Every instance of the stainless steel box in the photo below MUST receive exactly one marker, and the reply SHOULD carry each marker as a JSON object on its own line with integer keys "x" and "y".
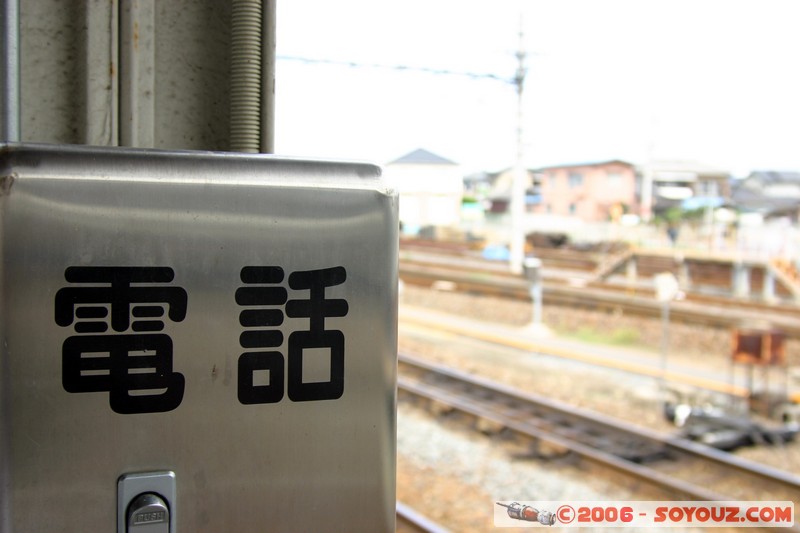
{"x": 231, "y": 319}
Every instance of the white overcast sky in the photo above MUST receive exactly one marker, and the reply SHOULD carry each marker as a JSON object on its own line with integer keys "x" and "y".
{"x": 715, "y": 81}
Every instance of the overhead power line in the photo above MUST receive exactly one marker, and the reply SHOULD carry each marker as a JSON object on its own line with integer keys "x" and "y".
{"x": 517, "y": 234}
{"x": 409, "y": 68}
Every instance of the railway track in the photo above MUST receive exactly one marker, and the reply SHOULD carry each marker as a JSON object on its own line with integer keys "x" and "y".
{"x": 695, "y": 309}
{"x": 676, "y": 467}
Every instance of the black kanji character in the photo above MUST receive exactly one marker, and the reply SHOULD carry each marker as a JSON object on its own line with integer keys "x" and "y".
{"x": 83, "y": 371}
{"x": 257, "y": 295}
{"x": 316, "y": 308}
{"x": 136, "y": 369}
{"x": 118, "y": 292}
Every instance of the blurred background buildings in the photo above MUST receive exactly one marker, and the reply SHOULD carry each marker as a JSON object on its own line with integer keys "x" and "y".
{"x": 692, "y": 204}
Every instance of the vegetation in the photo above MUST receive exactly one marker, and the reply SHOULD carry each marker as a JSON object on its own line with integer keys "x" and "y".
{"x": 623, "y": 336}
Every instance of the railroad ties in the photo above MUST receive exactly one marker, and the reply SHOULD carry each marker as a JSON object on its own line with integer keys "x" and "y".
{"x": 705, "y": 300}
{"x": 679, "y": 468}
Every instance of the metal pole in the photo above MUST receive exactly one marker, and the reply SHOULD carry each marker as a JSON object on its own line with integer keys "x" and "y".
{"x": 9, "y": 72}
{"x": 10, "y": 124}
{"x": 536, "y": 294}
{"x": 520, "y": 175}
{"x": 269, "y": 42}
{"x": 533, "y": 271}
{"x": 137, "y": 73}
{"x": 664, "y": 343}
{"x": 246, "y": 75}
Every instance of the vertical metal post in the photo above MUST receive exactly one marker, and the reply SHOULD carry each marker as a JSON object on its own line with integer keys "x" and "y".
{"x": 732, "y": 374}
{"x": 137, "y": 73}
{"x": 533, "y": 271}
{"x": 664, "y": 344}
{"x": 666, "y": 290}
{"x": 631, "y": 273}
{"x": 9, "y": 71}
{"x": 101, "y": 49}
{"x": 684, "y": 275}
{"x": 741, "y": 280}
{"x": 536, "y": 292}
{"x": 768, "y": 289}
{"x": 269, "y": 42}
{"x": 520, "y": 175}
{"x": 646, "y": 210}
{"x": 10, "y": 124}
{"x": 246, "y": 75}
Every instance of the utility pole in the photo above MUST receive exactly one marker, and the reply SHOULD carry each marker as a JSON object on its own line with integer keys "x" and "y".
{"x": 519, "y": 173}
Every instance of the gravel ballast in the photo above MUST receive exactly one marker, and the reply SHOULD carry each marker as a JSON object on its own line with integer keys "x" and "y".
{"x": 454, "y": 475}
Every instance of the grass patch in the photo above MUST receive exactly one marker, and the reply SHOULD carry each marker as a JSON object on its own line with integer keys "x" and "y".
{"x": 616, "y": 337}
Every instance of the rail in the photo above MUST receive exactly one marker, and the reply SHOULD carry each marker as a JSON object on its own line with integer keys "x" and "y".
{"x": 666, "y": 462}
{"x": 696, "y": 309}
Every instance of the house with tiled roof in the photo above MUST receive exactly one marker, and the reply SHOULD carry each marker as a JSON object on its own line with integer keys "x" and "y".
{"x": 769, "y": 193}
{"x": 605, "y": 190}
{"x": 430, "y": 188}
{"x": 675, "y": 183}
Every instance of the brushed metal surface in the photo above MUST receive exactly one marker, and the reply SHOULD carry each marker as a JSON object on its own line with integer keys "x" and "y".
{"x": 284, "y": 466}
